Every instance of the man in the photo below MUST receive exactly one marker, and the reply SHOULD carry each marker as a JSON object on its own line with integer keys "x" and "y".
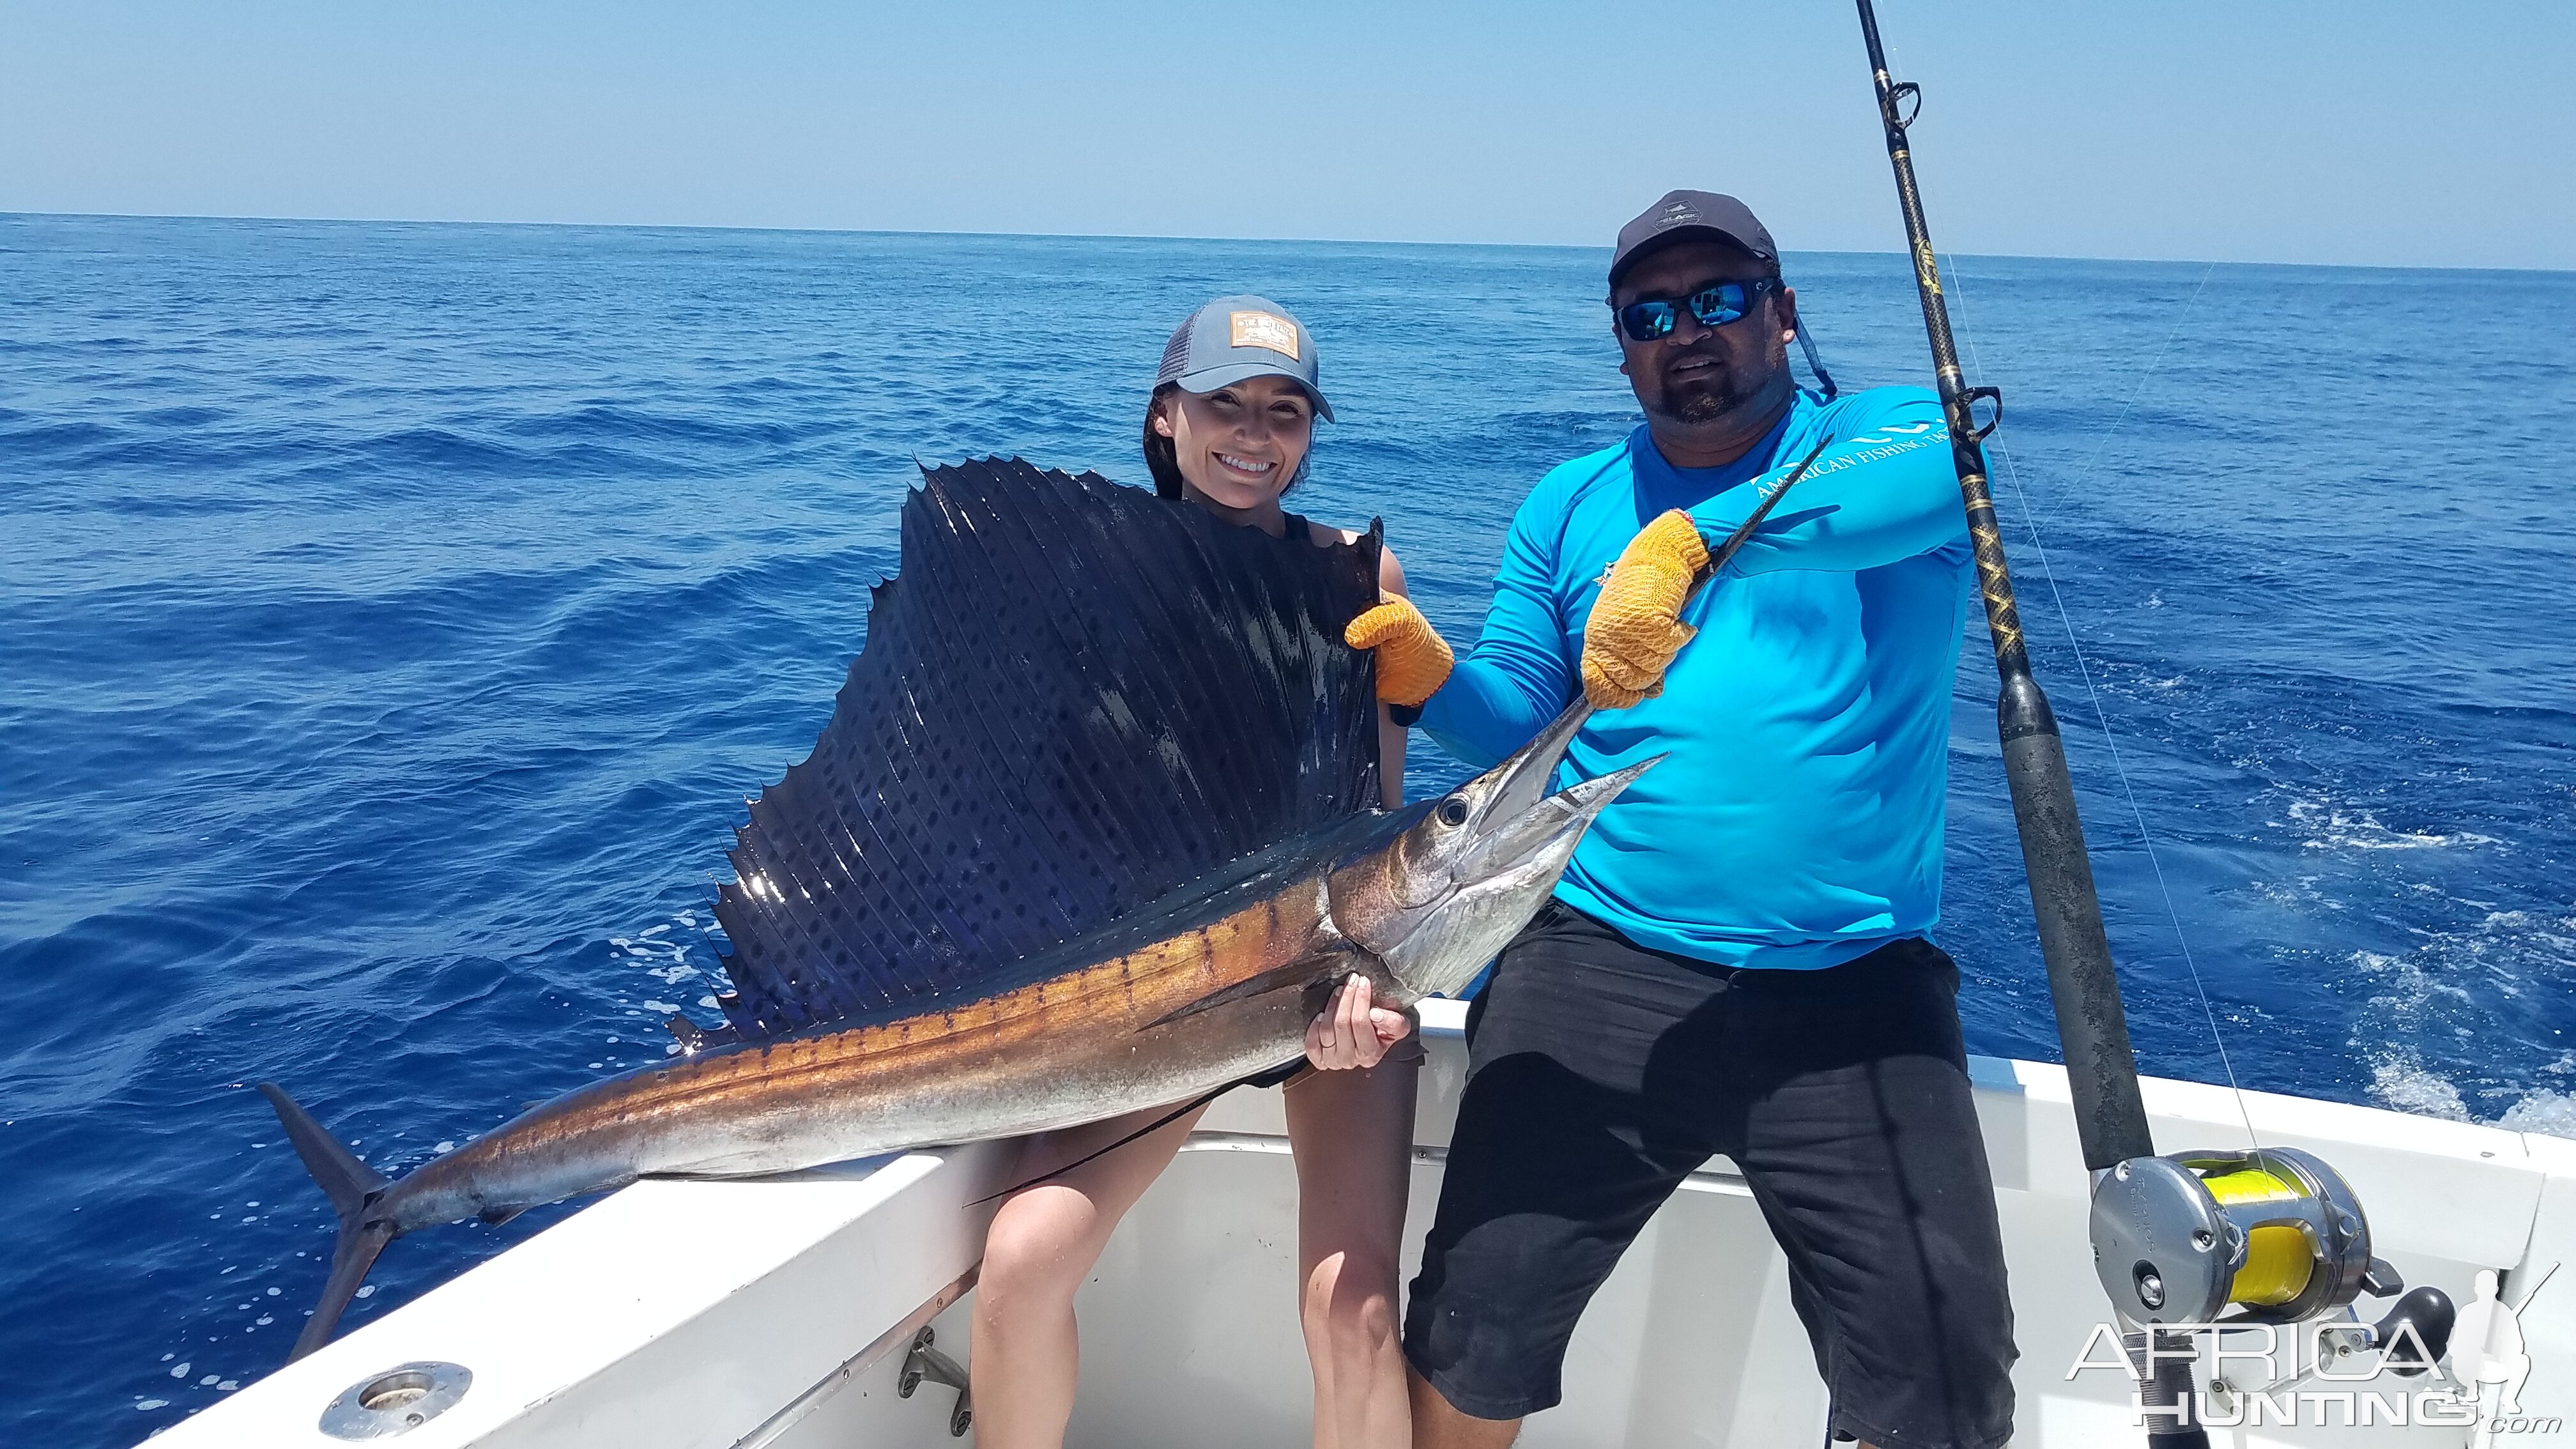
{"x": 1735, "y": 962}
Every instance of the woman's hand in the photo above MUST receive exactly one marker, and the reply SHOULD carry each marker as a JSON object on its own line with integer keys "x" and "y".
{"x": 1352, "y": 1030}
{"x": 1412, "y": 659}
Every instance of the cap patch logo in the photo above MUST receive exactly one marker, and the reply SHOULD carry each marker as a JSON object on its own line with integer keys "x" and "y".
{"x": 1266, "y": 330}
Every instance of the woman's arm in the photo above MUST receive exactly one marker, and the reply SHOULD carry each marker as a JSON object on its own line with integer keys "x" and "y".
{"x": 1390, "y": 735}
{"x": 1352, "y": 1030}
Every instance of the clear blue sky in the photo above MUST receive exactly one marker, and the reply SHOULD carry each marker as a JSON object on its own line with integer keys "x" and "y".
{"x": 2357, "y": 132}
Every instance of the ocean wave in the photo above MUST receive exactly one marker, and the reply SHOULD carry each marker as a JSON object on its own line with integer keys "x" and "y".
{"x": 34, "y": 442}
{"x": 2405, "y": 1085}
{"x": 2544, "y": 1111}
{"x": 2331, "y": 828}
{"x": 609, "y": 422}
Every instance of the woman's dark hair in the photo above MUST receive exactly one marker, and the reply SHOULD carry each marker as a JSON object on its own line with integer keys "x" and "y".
{"x": 1164, "y": 461}
{"x": 1161, "y": 459}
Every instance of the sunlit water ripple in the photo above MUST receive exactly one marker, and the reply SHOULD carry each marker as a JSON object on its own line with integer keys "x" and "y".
{"x": 393, "y": 619}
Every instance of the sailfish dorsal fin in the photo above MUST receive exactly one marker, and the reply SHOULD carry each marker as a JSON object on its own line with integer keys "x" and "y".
{"x": 1075, "y": 698}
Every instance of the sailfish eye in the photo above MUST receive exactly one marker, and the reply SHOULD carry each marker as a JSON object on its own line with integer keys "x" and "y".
{"x": 1453, "y": 811}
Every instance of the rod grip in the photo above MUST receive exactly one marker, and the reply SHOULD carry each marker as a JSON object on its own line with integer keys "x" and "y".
{"x": 2101, "y": 1068}
{"x": 2166, "y": 1396}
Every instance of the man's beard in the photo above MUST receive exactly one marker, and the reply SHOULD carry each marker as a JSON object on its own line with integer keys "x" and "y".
{"x": 1702, "y": 400}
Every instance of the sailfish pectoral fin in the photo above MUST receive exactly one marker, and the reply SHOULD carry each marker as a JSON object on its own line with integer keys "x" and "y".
{"x": 1303, "y": 971}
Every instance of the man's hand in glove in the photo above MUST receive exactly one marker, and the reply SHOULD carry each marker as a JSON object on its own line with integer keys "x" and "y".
{"x": 1635, "y": 628}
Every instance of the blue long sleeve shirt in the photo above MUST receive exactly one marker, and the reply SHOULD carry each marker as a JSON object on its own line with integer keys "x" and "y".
{"x": 1798, "y": 820}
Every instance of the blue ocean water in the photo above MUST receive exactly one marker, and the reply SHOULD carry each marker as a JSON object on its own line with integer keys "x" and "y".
{"x": 393, "y": 619}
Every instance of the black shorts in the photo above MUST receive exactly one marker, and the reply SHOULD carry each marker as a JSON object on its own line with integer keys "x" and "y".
{"x": 1601, "y": 1073}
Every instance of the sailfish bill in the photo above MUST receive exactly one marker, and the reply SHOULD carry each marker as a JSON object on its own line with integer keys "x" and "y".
{"x": 1092, "y": 830}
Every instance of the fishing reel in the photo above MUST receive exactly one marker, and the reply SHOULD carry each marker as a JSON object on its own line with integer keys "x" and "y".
{"x": 2273, "y": 1233}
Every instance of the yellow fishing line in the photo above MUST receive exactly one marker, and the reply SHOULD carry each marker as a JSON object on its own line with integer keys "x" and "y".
{"x": 2278, "y": 1261}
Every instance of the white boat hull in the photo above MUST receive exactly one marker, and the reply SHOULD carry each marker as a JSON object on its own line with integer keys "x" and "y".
{"x": 743, "y": 1315}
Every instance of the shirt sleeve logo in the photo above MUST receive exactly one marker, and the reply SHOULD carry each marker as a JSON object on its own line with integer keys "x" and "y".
{"x": 1266, "y": 330}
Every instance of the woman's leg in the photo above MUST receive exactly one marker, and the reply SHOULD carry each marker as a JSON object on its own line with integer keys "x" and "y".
{"x": 1041, "y": 1246}
{"x": 1352, "y": 1132}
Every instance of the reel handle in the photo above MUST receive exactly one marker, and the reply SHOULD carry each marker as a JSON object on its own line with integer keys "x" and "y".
{"x": 2429, "y": 1312}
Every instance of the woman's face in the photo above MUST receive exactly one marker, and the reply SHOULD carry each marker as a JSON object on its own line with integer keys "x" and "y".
{"x": 1241, "y": 444}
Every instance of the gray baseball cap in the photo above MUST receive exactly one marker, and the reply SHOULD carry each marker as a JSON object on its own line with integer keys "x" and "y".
{"x": 1234, "y": 338}
{"x": 1691, "y": 215}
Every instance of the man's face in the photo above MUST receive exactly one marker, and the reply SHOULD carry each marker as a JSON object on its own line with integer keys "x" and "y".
{"x": 1706, "y": 376}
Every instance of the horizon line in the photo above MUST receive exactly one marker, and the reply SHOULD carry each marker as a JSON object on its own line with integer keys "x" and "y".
{"x": 1156, "y": 236}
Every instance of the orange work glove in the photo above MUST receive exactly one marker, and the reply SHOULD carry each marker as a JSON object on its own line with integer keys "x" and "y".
{"x": 1412, "y": 659}
{"x": 1635, "y": 629}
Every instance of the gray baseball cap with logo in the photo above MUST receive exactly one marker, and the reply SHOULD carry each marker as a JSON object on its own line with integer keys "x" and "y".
{"x": 1691, "y": 216}
{"x": 1234, "y": 338}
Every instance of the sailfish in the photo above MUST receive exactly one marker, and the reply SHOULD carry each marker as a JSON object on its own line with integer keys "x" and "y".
{"x": 1094, "y": 827}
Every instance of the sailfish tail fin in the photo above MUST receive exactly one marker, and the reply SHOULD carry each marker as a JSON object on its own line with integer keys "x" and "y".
{"x": 352, "y": 1186}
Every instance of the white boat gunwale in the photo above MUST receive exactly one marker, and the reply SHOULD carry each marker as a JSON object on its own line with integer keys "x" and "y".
{"x": 776, "y": 1312}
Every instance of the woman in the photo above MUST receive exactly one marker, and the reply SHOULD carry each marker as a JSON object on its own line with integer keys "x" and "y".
{"x": 1228, "y": 428}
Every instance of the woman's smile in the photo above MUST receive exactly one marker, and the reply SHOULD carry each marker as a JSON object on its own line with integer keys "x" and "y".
{"x": 1238, "y": 447}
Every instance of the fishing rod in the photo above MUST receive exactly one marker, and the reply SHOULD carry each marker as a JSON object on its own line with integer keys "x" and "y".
{"x": 2275, "y": 1235}
{"x": 2101, "y": 1069}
